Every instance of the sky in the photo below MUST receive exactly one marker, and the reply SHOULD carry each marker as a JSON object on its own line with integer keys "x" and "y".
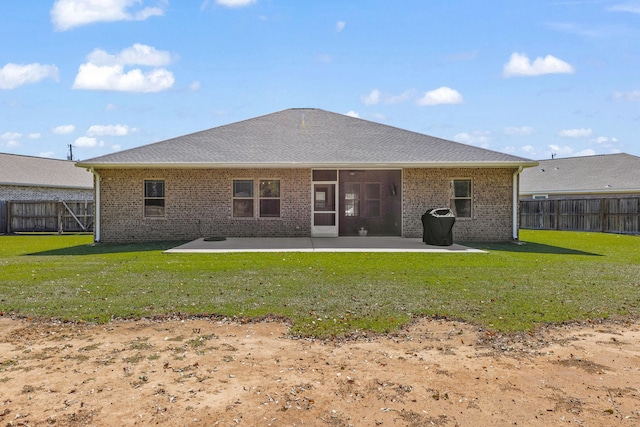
{"x": 534, "y": 78}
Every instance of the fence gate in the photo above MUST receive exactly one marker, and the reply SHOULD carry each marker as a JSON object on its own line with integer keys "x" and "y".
{"x": 49, "y": 216}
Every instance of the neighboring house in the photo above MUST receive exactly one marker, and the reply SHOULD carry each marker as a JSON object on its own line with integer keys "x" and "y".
{"x": 37, "y": 178}
{"x": 303, "y": 172}
{"x": 32, "y": 190}
{"x": 610, "y": 175}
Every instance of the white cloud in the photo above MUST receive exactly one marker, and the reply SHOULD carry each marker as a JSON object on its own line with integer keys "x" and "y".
{"x": 34, "y": 135}
{"x": 518, "y": 131}
{"x": 631, "y": 7}
{"x": 442, "y": 95}
{"x": 352, "y": 114}
{"x": 627, "y": 96}
{"x": 109, "y": 130}
{"x": 66, "y": 14}
{"x": 49, "y": 154}
{"x": 86, "y": 142}
{"x": 478, "y": 137}
{"x": 529, "y": 149}
{"x": 116, "y": 147}
{"x": 520, "y": 65}
{"x": 235, "y": 3}
{"x": 138, "y": 54}
{"x": 340, "y": 26}
{"x": 10, "y": 135}
{"x": 64, "y": 129}
{"x": 586, "y": 152}
{"x": 10, "y": 139}
{"x": 373, "y": 98}
{"x": 561, "y": 151}
{"x": 14, "y": 75}
{"x": 605, "y": 141}
{"x": 398, "y": 99}
{"x": 110, "y": 107}
{"x": 575, "y": 133}
{"x": 11, "y": 144}
{"x": 195, "y": 86}
{"x": 104, "y": 71}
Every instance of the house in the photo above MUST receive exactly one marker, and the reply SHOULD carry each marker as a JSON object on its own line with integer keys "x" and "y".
{"x": 303, "y": 172}
{"x": 608, "y": 175}
{"x": 38, "y": 178}
{"x": 25, "y": 180}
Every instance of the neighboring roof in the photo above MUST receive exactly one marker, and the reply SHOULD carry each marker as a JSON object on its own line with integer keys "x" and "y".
{"x": 610, "y": 173}
{"x": 41, "y": 172}
{"x": 306, "y": 137}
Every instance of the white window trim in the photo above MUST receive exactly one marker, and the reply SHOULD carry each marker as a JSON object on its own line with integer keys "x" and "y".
{"x": 256, "y": 199}
{"x": 470, "y": 198}
{"x": 144, "y": 199}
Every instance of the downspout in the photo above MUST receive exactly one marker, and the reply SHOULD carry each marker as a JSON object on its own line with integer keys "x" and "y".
{"x": 516, "y": 201}
{"x": 96, "y": 204}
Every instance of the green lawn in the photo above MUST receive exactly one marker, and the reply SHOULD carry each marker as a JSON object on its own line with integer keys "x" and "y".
{"x": 554, "y": 277}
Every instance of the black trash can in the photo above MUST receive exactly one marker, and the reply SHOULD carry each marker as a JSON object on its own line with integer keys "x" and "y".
{"x": 438, "y": 227}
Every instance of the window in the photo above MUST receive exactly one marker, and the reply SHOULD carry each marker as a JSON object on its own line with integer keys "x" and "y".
{"x": 269, "y": 198}
{"x": 243, "y": 198}
{"x": 153, "y": 198}
{"x": 372, "y": 199}
{"x": 352, "y": 199}
{"x": 461, "y": 198}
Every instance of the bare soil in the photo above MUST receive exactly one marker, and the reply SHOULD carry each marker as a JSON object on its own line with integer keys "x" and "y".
{"x": 196, "y": 372}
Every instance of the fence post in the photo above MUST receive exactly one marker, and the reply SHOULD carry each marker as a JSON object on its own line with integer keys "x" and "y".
{"x": 9, "y": 209}
{"x": 59, "y": 209}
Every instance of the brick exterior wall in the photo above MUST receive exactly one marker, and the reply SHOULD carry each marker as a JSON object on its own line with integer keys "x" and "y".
{"x": 14, "y": 192}
{"x": 491, "y": 202}
{"x": 198, "y": 203}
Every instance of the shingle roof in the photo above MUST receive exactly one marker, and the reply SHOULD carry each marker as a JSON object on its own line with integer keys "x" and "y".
{"x": 610, "y": 173}
{"x": 38, "y": 171}
{"x": 302, "y": 138}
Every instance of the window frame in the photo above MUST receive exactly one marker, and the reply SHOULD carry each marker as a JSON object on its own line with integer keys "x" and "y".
{"x": 354, "y": 202}
{"x": 256, "y": 198}
{"x": 235, "y": 198}
{"x": 453, "y": 198}
{"x": 146, "y": 198}
{"x": 262, "y": 198}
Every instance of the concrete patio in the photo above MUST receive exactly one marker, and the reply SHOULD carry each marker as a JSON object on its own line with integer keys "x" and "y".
{"x": 316, "y": 244}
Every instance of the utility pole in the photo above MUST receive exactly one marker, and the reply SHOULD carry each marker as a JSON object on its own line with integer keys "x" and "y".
{"x": 70, "y": 155}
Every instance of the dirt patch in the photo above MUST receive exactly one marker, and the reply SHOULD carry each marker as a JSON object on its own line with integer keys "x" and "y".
{"x": 219, "y": 373}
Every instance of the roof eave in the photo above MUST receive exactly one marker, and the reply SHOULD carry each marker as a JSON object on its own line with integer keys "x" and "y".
{"x": 304, "y": 165}
{"x": 580, "y": 192}
{"x": 27, "y": 184}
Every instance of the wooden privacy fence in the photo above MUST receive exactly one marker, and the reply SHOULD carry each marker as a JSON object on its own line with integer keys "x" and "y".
{"x": 49, "y": 216}
{"x": 608, "y": 215}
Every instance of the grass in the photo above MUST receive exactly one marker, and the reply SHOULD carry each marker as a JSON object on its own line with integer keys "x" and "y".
{"x": 554, "y": 277}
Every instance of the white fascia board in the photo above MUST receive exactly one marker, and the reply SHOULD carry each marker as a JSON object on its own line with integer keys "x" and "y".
{"x": 35, "y": 184}
{"x": 297, "y": 165}
{"x": 581, "y": 192}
